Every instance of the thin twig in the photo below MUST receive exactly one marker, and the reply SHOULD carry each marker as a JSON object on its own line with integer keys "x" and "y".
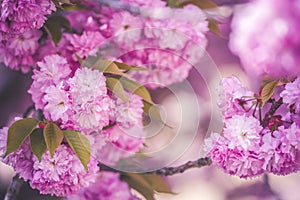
{"x": 28, "y": 111}
{"x": 14, "y": 188}
{"x": 271, "y": 112}
{"x": 168, "y": 171}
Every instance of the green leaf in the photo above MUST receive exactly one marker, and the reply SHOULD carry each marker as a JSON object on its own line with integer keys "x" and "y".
{"x": 147, "y": 185}
{"x": 80, "y": 145}
{"x": 268, "y": 90}
{"x": 37, "y": 143}
{"x": 18, "y": 132}
{"x": 129, "y": 67}
{"x": 136, "y": 88}
{"x": 108, "y": 67}
{"x": 203, "y": 4}
{"x": 153, "y": 111}
{"x": 213, "y": 26}
{"x": 137, "y": 182}
{"x": 59, "y": 3}
{"x": 158, "y": 183}
{"x": 53, "y": 27}
{"x": 53, "y": 137}
{"x": 114, "y": 85}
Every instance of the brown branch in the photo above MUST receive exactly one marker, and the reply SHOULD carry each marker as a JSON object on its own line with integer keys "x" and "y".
{"x": 271, "y": 112}
{"x": 14, "y": 188}
{"x": 168, "y": 171}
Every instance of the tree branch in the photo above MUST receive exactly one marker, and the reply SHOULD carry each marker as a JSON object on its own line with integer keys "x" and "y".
{"x": 168, "y": 171}
{"x": 271, "y": 112}
{"x": 14, "y": 188}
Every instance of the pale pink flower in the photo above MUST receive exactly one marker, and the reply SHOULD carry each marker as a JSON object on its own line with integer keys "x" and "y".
{"x": 93, "y": 115}
{"x": 291, "y": 94}
{"x": 86, "y": 44}
{"x": 126, "y": 28}
{"x": 233, "y": 97}
{"x": 57, "y": 104}
{"x": 108, "y": 186}
{"x": 242, "y": 132}
{"x": 63, "y": 174}
{"x": 129, "y": 113}
{"x": 87, "y": 84}
{"x": 276, "y": 51}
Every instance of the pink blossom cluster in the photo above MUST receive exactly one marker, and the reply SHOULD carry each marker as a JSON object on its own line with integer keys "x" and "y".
{"x": 61, "y": 175}
{"x": 107, "y": 186}
{"x": 249, "y": 146}
{"x": 265, "y": 35}
{"x": 166, "y": 40}
{"x": 19, "y": 34}
{"x": 79, "y": 100}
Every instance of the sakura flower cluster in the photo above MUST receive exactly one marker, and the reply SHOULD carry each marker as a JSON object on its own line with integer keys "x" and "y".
{"x": 19, "y": 34}
{"x": 167, "y": 41}
{"x": 61, "y": 175}
{"x": 265, "y": 35}
{"x": 251, "y": 145}
{"x": 80, "y": 101}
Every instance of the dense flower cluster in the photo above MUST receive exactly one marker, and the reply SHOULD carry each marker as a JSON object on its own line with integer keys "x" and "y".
{"x": 107, "y": 186}
{"x": 166, "y": 40}
{"x": 61, "y": 175}
{"x": 248, "y": 147}
{"x": 19, "y": 34}
{"x": 80, "y": 101}
{"x": 275, "y": 51}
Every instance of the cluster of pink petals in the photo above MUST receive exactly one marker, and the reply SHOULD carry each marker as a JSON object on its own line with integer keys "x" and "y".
{"x": 142, "y": 38}
{"x": 291, "y": 94}
{"x": 248, "y": 149}
{"x": 107, "y": 186}
{"x": 61, "y": 175}
{"x": 233, "y": 97}
{"x": 80, "y": 101}
{"x": 265, "y": 37}
{"x": 20, "y": 16}
{"x": 19, "y": 34}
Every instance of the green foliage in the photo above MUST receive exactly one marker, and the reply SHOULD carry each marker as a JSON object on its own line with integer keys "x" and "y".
{"x": 203, "y": 4}
{"x": 147, "y": 185}
{"x": 268, "y": 89}
{"x": 54, "y": 25}
{"x": 213, "y": 26}
{"x": 53, "y": 137}
{"x": 37, "y": 143}
{"x": 80, "y": 145}
{"x": 114, "y": 85}
{"x": 18, "y": 132}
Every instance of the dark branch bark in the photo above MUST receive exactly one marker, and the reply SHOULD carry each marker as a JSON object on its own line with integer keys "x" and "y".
{"x": 14, "y": 188}
{"x": 168, "y": 171}
{"x": 28, "y": 111}
{"x": 271, "y": 112}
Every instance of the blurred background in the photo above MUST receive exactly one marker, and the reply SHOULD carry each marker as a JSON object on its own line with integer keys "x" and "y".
{"x": 207, "y": 183}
